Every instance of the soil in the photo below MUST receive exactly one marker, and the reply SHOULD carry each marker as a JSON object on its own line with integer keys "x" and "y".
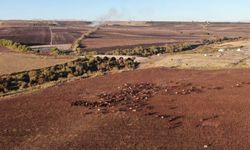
{"x": 38, "y": 32}
{"x": 11, "y": 61}
{"x": 114, "y": 36}
{"x": 149, "y": 108}
{"x": 26, "y": 35}
{"x": 235, "y": 55}
{"x": 145, "y": 109}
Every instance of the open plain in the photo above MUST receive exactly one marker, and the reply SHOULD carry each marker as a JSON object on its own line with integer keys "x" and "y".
{"x": 197, "y": 98}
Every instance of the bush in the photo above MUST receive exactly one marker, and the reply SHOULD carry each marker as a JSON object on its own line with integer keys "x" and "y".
{"x": 14, "y": 45}
{"x": 138, "y": 51}
{"x": 55, "y": 50}
{"x": 80, "y": 67}
{"x": 172, "y": 48}
{"x": 33, "y": 77}
{"x": 23, "y": 77}
{"x": 1, "y": 88}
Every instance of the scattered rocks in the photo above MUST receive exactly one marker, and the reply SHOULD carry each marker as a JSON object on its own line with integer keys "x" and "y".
{"x": 206, "y": 146}
{"x": 238, "y": 85}
{"x": 164, "y": 116}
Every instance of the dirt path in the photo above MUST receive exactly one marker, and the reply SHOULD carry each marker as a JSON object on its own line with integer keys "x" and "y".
{"x": 51, "y": 36}
{"x": 214, "y": 115}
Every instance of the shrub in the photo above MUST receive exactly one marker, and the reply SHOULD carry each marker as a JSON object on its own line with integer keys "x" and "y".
{"x": 23, "y": 77}
{"x": 55, "y": 50}
{"x": 1, "y": 88}
{"x": 172, "y": 48}
{"x": 14, "y": 45}
{"x": 80, "y": 67}
{"x": 23, "y": 85}
{"x": 138, "y": 51}
{"x": 33, "y": 77}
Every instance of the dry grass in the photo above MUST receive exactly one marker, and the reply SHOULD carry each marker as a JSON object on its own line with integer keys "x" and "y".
{"x": 205, "y": 58}
{"x": 16, "y": 62}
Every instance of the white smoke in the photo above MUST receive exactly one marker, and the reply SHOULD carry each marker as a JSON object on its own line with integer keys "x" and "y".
{"x": 112, "y": 15}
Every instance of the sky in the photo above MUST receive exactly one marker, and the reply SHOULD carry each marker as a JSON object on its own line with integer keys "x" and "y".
{"x": 140, "y": 10}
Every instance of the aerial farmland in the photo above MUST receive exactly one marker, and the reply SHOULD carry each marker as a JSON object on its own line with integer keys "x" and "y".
{"x": 124, "y": 84}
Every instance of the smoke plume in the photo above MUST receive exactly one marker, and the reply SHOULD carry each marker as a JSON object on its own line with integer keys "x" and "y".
{"x": 112, "y": 15}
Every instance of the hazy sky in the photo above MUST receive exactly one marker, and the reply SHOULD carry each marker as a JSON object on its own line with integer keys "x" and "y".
{"x": 167, "y": 10}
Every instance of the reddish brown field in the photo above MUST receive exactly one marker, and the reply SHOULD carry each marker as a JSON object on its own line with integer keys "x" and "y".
{"x": 67, "y": 35}
{"x": 215, "y": 114}
{"x": 123, "y": 35}
{"x": 117, "y": 36}
{"x": 38, "y": 32}
{"x": 26, "y": 35}
{"x": 156, "y": 108}
{"x": 11, "y": 61}
{"x": 111, "y": 37}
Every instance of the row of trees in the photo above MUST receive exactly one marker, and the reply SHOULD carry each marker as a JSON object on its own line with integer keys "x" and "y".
{"x": 14, "y": 45}
{"x": 220, "y": 40}
{"x": 81, "y": 67}
{"x": 77, "y": 44}
{"x": 153, "y": 50}
{"x": 138, "y": 51}
{"x": 171, "y": 48}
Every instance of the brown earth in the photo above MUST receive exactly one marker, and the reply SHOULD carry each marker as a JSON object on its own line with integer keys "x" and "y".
{"x": 184, "y": 109}
{"x": 26, "y": 35}
{"x": 116, "y": 36}
{"x": 11, "y": 61}
{"x": 67, "y": 35}
{"x": 38, "y": 32}
{"x": 235, "y": 54}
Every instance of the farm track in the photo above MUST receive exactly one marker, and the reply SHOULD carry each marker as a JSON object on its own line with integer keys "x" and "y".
{"x": 51, "y": 36}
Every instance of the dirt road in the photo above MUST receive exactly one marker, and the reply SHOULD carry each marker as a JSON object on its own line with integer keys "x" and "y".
{"x": 51, "y": 36}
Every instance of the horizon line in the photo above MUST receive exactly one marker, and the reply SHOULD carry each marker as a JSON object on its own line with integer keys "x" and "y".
{"x": 86, "y": 20}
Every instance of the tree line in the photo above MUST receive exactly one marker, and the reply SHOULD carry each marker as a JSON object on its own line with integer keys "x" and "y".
{"x": 81, "y": 67}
